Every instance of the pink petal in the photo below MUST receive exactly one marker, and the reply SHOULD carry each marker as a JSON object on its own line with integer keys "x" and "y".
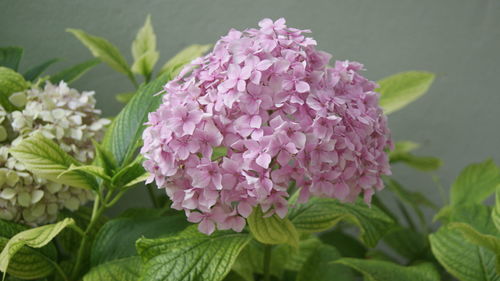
{"x": 263, "y": 160}
{"x": 206, "y": 226}
{"x": 302, "y": 87}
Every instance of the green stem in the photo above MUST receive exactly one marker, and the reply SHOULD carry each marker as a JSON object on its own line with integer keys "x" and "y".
{"x": 132, "y": 79}
{"x": 59, "y": 270}
{"x": 267, "y": 262}
{"x": 152, "y": 195}
{"x": 96, "y": 213}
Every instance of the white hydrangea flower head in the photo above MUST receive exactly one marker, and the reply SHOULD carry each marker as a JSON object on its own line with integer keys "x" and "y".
{"x": 69, "y": 118}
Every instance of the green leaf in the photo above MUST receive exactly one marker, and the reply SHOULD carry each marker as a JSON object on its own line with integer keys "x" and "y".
{"x": 10, "y": 82}
{"x": 219, "y": 152}
{"x": 90, "y": 170}
{"x": 250, "y": 261}
{"x": 27, "y": 263}
{"x": 320, "y": 214}
{"x": 411, "y": 197}
{"x": 401, "y": 153}
{"x": 487, "y": 241}
{"x": 144, "y": 50}
{"x": 104, "y": 50}
{"x": 35, "y": 238}
{"x": 475, "y": 183}
{"x": 130, "y": 174}
{"x": 69, "y": 239}
{"x": 123, "y": 137}
{"x": 117, "y": 237}
{"x": 347, "y": 245}
{"x": 71, "y": 74}
{"x": 190, "y": 255}
{"x": 376, "y": 270}
{"x": 188, "y": 54}
{"x": 318, "y": 266}
{"x": 423, "y": 163}
{"x": 46, "y": 159}
{"x": 105, "y": 159}
{"x": 464, "y": 260}
{"x": 406, "y": 242}
{"x": 32, "y": 73}
{"x": 125, "y": 97}
{"x": 399, "y": 90}
{"x": 273, "y": 229}
{"x": 127, "y": 269}
{"x": 11, "y": 57}
{"x": 495, "y": 214}
{"x": 145, "y": 40}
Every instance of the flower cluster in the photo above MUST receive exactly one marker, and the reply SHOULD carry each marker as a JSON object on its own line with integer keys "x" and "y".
{"x": 71, "y": 120}
{"x": 286, "y": 119}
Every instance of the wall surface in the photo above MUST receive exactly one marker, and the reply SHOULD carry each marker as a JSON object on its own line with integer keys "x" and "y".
{"x": 457, "y": 121}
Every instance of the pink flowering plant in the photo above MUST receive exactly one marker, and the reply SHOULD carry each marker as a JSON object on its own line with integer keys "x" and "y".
{"x": 264, "y": 159}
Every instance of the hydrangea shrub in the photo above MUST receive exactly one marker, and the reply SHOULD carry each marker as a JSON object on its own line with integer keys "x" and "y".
{"x": 282, "y": 114}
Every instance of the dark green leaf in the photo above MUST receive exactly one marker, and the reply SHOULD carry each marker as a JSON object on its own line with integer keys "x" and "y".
{"x": 32, "y": 73}
{"x": 318, "y": 266}
{"x": 117, "y": 237}
{"x": 376, "y": 270}
{"x": 406, "y": 242}
{"x": 347, "y": 245}
{"x": 73, "y": 73}
{"x": 123, "y": 137}
{"x": 11, "y": 57}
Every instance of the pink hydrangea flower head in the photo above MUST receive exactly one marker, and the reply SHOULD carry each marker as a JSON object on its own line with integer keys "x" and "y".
{"x": 283, "y": 114}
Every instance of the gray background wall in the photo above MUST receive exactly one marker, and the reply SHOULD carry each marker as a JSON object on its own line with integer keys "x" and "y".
{"x": 457, "y": 121}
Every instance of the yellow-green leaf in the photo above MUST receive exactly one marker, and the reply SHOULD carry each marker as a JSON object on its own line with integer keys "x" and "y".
{"x": 399, "y": 90}
{"x": 190, "y": 255}
{"x": 47, "y": 160}
{"x": 320, "y": 214}
{"x": 10, "y": 82}
{"x": 104, "y": 50}
{"x": 27, "y": 263}
{"x": 273, "y": 229}
{"x": 495, "y": 214}
{"x": 127, "y": 269}
{"x": 35, "y": 238}
{"x": 475, "y": 183}
{"x": 91, "y": 170}
{"x": 175, "y": 64}
{"x": 487, "y": 241}
{"x": 144, "y": 50}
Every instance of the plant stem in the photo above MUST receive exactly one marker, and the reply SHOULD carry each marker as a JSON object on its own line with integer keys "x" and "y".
{"x": 96, "y": 213}
{"x": 152, "y": 195}
{"x": 267, "y": 262}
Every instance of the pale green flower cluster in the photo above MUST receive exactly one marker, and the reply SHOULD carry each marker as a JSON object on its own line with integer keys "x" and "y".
{"x": 70, "y": 119}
